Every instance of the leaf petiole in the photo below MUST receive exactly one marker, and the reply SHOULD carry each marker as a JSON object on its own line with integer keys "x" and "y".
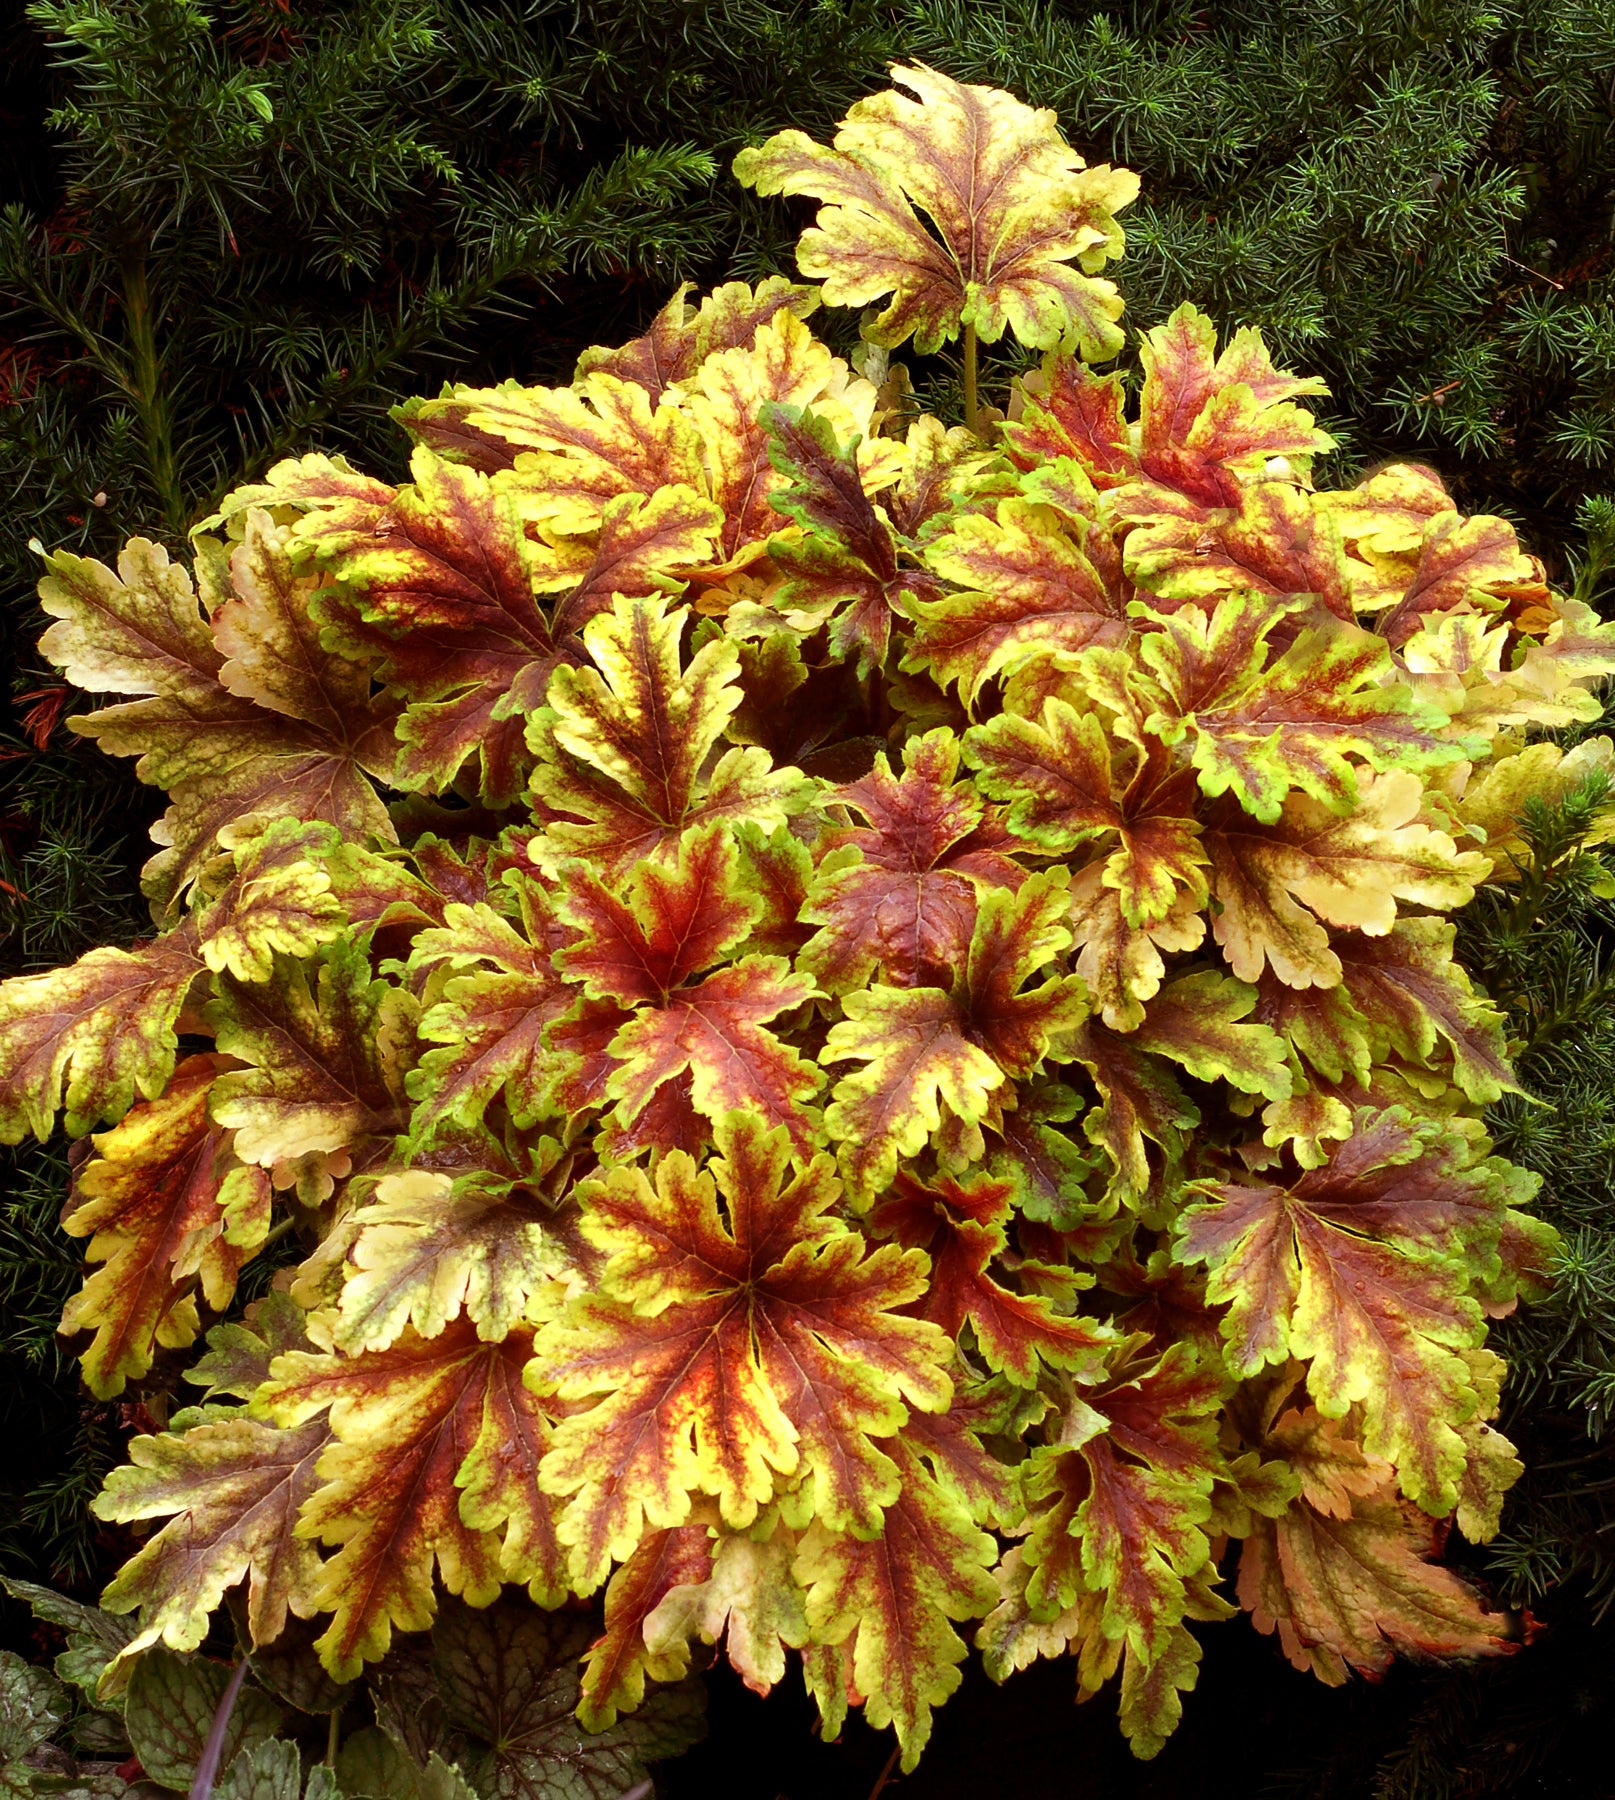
{"x": 972, "y": 410}
{"x": 207, "y": 1767}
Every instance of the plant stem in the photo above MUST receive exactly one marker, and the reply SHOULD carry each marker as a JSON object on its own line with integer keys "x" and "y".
{"x": 277, "y": 1232}
{"x": 150, "y": 400}
{"x": 207, "y": 1767}
{"x": 891, "y": 1761}
{"x": 972, "y": 413}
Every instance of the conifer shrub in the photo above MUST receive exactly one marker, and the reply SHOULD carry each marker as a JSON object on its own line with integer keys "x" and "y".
{"x": 843, "y": 1031}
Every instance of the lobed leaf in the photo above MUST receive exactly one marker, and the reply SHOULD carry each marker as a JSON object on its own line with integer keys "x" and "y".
{"x": 248, "y": 716}
{"x": 320, "y": 1074}
{"x": 1280, "y": 884}
{"x": 232, "y": 1490}
{"x": 1359, "y": 1268}
{"x": 1348, "y": 1576}
{"x": 171, "y": 1213}
{"x": 1029, "y": 583}
{"x": 887, "y": 1606}
{"x": 1011, "y": 204}
{"x": 624, "y": 746}
{"x": 904, "y": 905}
{"x": 432, "y": 1468}
{"x": 961, "y": 1227}
{"x": 728, "y": 1354}
{"x": 682, "y": 337}
{"x": 927, "y": 1049}
{"x": 92, "y": 1036}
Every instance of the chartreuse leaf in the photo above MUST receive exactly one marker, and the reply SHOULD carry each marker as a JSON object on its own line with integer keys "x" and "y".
{"x": 1279, "y": 885}
{"x": 313, "y": 483}
{"x": 1045, "y": 1167}
{"x": 431, "y": 1246}
{"x": 1271, "y": 544}
{"x": 1011, "y": 204}
{"x": 103, "y": 1032}
{"x": 886, "y": 1607}
{"x": 757, "y": 1343}
{"x": 1259, "y": 727}
{"x": 447, "y": 588}
{"x": 1359, "y": 1269}
{"x": 961, "y": 1227}
{"x": 563, "y": 453}
{"x": 1119, "y": 1502}
{"x": 1493, "y": 1468}
{"x": 729, "y": 398}
{"x": 1028, "y": 584}
{"x": 668, "y": 1566}
{"x": 279, "y": 901}
{"x": 843, "y": 570}
{"x": 232, "y": 1490}
{"x": 745, "y": 1593}
{"x": 931, "y": 1052}
{"x": 432, "y": 1469}
{"x": 681, "y": 336}
{"x": 248, "y": 715}
{"x": 1420, "y": 1005}
{"x": 170, "y": 1213}
{"x": 1202, "y": 1021}
{"x": 491, "y": 1014}
{"x": 1347, "y": 1573}
{"x": 898, "y": 896}
{"x": 92, "y": 1036}
{"x": 1207, "y": 424}
{"x": 1064, "y": 790}
{"x": 641, "y": 949}
{"x": 319, "y": 1076}
{"x": 624, "y": 746}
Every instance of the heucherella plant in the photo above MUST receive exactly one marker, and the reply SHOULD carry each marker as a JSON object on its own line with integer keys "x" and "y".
{"x": 851, "y": 1027}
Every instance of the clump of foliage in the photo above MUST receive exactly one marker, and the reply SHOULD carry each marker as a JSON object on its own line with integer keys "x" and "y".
{"x": 478, "y": 1708}
{"x": 228, "y": 229}
{"x": 854, "y": 1022}
{"x": 1414, "y": 200}
{"x": 248, "y": 225}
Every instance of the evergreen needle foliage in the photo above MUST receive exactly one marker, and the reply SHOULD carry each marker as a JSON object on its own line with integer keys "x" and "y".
{"x": 1544, "y": 946}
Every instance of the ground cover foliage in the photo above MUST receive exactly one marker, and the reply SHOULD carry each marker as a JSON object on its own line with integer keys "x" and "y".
{"x": 836, "y": 1029}
{"x": 479, "y": 1707}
